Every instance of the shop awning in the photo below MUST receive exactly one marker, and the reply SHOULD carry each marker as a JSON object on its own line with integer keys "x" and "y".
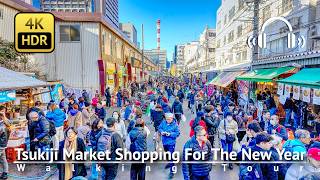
{"x": 225, "y": 78}
{"x": 14, "y": 80}
{"x": 308, "y": 77}
{"x": 265, "y": 75}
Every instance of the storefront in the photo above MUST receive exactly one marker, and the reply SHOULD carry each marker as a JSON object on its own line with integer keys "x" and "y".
{"x": 111, "y": 76}
{"x": 225, "y": 80}
{"x": 305, "y": 86}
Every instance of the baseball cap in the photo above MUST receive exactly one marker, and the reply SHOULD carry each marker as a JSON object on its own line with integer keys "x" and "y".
{"x": 314, "y": 153}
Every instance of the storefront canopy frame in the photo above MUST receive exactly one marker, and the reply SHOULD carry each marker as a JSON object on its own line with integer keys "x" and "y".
{"x": 225, "y": 78}
{"x": 264, "y": 75}
{"x": 11, "y": 80}
{"x": 308, "y": 77}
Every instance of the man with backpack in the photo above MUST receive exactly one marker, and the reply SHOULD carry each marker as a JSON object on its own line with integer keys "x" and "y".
{"x": 138, "y": 143}
{"x": 198, "y": 143}
{"x": 109, "y": 140}
{"x": 276, "y": 128}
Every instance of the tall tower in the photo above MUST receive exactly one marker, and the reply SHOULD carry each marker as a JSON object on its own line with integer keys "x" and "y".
{"x": 158, "y": 34}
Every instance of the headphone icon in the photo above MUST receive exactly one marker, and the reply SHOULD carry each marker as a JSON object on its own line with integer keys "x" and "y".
{"x": 262, "y": 38}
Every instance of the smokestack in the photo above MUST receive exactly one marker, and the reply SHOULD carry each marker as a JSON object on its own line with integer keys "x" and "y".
{"x": 158, "y": 34}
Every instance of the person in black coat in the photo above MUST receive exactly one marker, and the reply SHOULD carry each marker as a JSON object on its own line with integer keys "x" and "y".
{"x": 177, "y": 109}
{"x": 192, "y": 171}
{"x": 108, "y": 97}
{"x": 212, "y": 122}
{"x": 157, "y": 116}
{"x": 71, "y": 143}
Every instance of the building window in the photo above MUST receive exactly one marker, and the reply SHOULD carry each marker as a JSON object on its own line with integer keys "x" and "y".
{"x": 211, "y": 50}
{"x": 266, "y": 13}
{"x": 231, "y": 13}
{"x": 240, "y": 4}
{"x": 1, "y": 13}
{"x": 287, "y": 5}
{"x": 69, "y": 33}
{"x": 225, "y": 19}
{"x": 218, "y": 43}
{"x": 212, "y": 34}
{"x": 230, "y": 36}
{"x": 239, "y": 33}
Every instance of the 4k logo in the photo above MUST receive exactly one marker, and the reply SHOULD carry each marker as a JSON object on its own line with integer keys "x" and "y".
{"x": 34, "y": 32}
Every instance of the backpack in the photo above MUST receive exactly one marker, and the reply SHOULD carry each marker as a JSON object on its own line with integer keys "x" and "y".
{"x": 104, "y": 141}
{"x": 256, "y": 172}
{"x": 52, "y": 129}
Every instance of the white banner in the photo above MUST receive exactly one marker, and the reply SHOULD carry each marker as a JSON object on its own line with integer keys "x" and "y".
{"x": 280, "y": 89}
{"x": 316, "y": 96}
{"x": 306, "y": 94}
{"x": 287, "y": 90}
{"x": 296, "y": 92}
{"x": 282, "y": 99}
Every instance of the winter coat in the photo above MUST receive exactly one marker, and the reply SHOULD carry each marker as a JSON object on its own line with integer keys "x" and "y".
{"x": 212, "y": 124}
{"x": 138, "y": 137}
{"x": 116, "y": 142}
{"x": 85, "y": 116}
{"x": 171, "y": 128}
{"x": 192, "y": 98}
{"x": 75, "y": 118}
{"x": 107, "y": 94}
{"x": 83, "y": 131}
{"x": 40, "y": 130}
{"x": 127, "y": 112}
{"x": 232, "y": 127}
{"x": 93, "y": 138}
{"x": 177, "y": 107}
{"x": 57, "y": 117}
{"x": 300, "y": 171}
{"x": 296, "y": 145}
{"x": 120, "y": 128}
{"x": 200, "y": 123}
{"x": 4, "y": 135}
{"x": 180, "y": 94}
{"x": 265, "y": 171}
{"x": 197, "y": 169}
{"x": 166, "y": 108}
{"x": 34, "y": 109}
{"x": 101, "y": 113}
{"x": 79, "y": 168}
{"x": 282, "y": 166}
{"x": 280, "y": 131}
{"x": 157, "y": 117}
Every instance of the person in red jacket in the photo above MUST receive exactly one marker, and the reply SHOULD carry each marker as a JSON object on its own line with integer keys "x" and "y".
{"x": 198, "y": 121}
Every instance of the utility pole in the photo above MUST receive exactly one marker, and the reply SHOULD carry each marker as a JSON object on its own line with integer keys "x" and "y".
{"x": 255, "y": 33}
{"x": 142, "y": 44}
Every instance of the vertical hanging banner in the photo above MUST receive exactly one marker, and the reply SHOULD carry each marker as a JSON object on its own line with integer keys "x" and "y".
{"x": 296, "y": 92}
{"x": 306, "y": 94}
{"x": 316, "y": 96}
{"x": 280, "y": 89}
{"x": 287, "y": 90}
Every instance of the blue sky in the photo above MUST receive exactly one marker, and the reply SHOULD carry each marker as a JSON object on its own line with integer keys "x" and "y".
{"x": 181, "y": 20}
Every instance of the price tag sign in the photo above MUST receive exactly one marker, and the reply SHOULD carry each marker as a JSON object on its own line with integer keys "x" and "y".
{"x": 34, "y": 32}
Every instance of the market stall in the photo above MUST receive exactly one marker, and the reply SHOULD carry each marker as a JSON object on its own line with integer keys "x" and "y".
{"x": 305, "y": 86}
{"x": 18, "y": 93}
{"x": 225, "y": 80}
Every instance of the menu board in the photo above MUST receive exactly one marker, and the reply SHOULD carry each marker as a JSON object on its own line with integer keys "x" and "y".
{"x": 306, "y": 94}
{"x": 296, "y": 92}
{"x": 316, "y": 96}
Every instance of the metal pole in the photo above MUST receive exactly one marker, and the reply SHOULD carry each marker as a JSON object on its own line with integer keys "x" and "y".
{"x": 142, "y": 59}
{"x": 255, "y": 32}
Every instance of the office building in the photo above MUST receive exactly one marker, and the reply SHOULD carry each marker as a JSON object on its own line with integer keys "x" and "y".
{"x": 157, "y": 56}
{"x": 130, "y": 31}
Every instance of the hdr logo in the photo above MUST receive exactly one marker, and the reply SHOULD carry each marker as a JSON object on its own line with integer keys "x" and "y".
{"x": 34, "y": 32}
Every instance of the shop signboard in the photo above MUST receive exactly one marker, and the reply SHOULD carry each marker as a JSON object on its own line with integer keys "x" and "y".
{"x": 306, "y": 94}
{"x": 282, "y": 99}
{"x": 6, "y": 96}
{"x": 280, "y": 89}
{"x": 287, "y": 90}
{"x": 56, "y": 93}
{"x": 296, "y": 92}
{"x": 316, "y": 96}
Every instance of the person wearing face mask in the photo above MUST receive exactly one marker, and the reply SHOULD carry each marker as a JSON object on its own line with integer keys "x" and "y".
{"x": 228, "y": 129}
{"x": 198, "y": 143}
{"x": 301, "y": 170}
{"x": 75, "y": 117}
{"x": 39, "y": 132}
{"x": 72, "y": 143}
{"x": 100, "y": 111}
{"x": 120, "y": 126}
{"x": 276, "y": 128}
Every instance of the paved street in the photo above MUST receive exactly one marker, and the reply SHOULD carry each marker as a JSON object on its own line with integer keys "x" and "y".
{"x": 158, "y": 170}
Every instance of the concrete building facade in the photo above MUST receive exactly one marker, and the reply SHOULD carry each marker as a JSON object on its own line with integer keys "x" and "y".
{"x": 131, "y": 32}
{"x": 158, "y": 57}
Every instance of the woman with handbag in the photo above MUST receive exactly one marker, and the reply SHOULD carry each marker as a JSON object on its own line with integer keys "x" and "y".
{"x": 228, "y": 129}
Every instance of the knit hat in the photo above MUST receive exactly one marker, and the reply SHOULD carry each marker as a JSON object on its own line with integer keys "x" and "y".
{"x": 200, "y": 114}
{"x": 314, "y": 153}
{"x": 168, "y": 115}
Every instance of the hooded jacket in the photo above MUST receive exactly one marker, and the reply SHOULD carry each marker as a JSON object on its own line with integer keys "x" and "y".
{"x": 171, "y": 128}
{"x": 177, "y": 107}
{"x": 57, "y": 117}
{"x": 280, "y": 131}
{"x": 157, "y": 117}
{"x": 300, "y": 171}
